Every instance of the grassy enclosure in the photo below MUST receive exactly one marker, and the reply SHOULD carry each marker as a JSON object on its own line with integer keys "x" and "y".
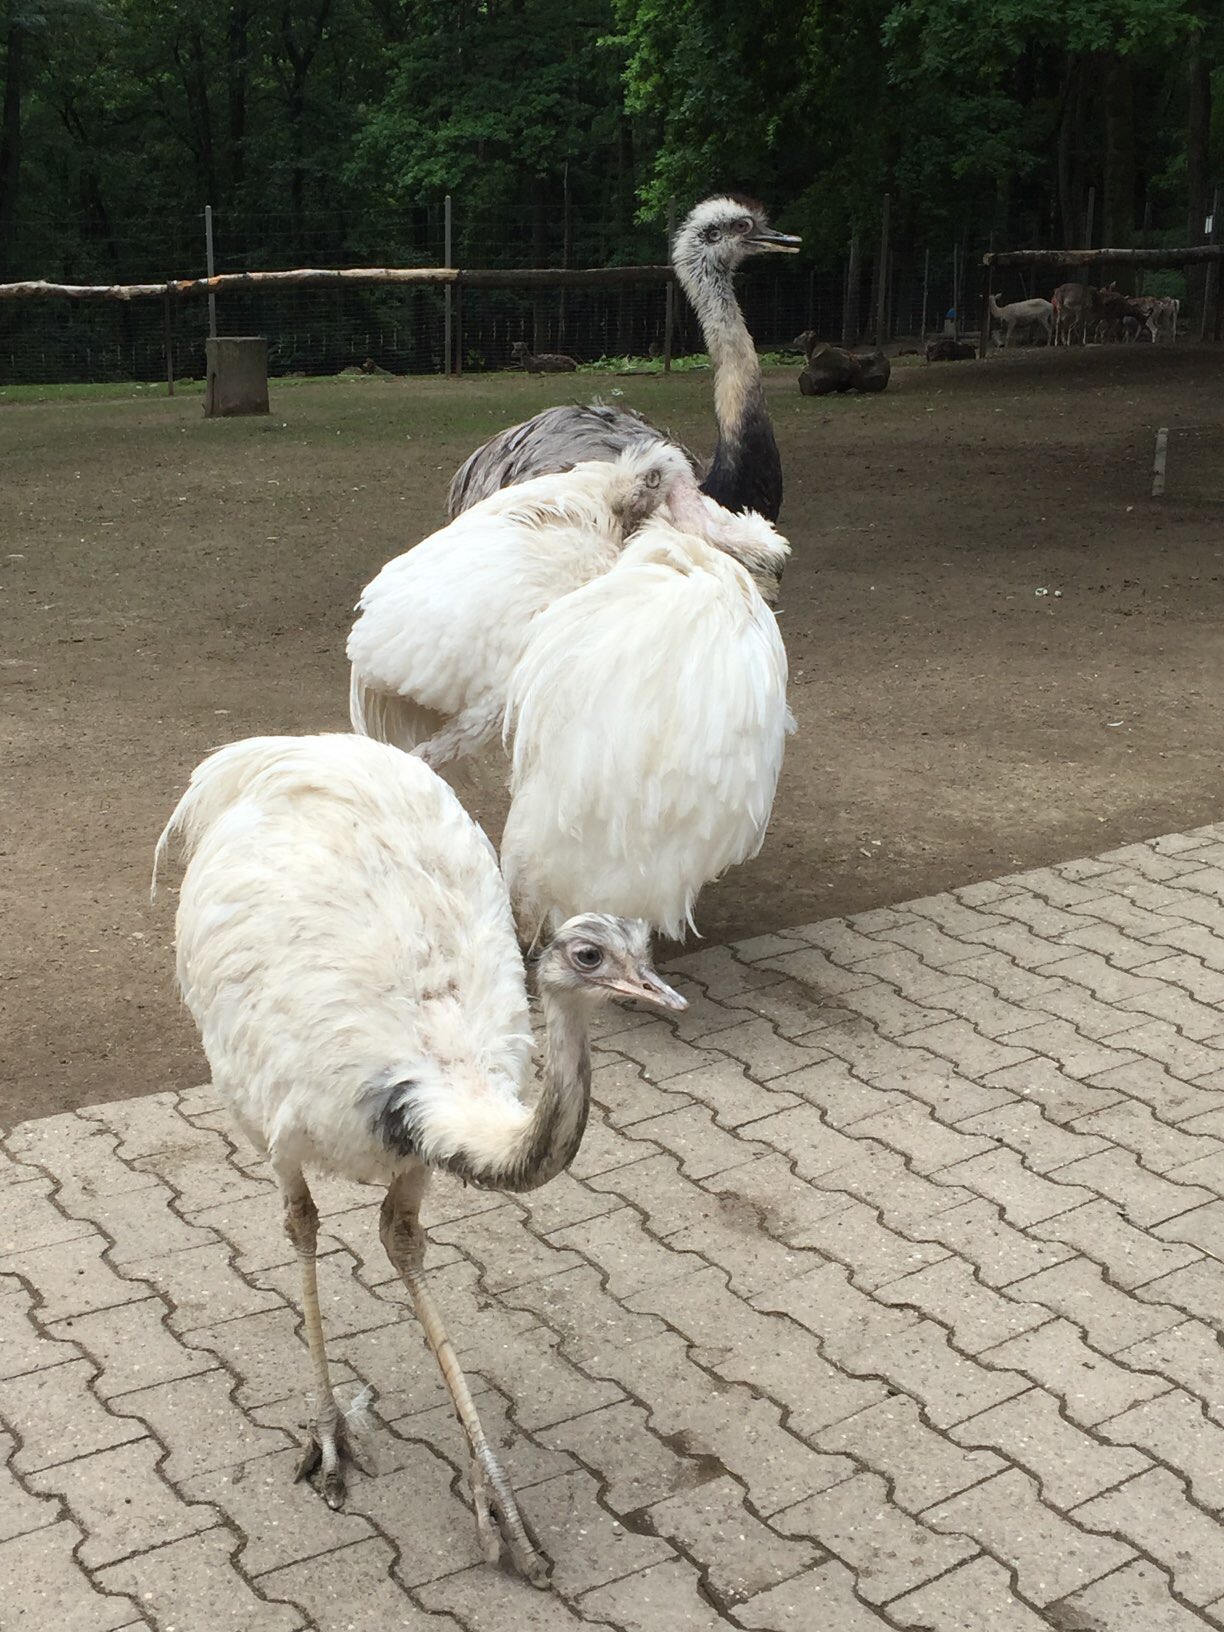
{"x": 171, "y": 584}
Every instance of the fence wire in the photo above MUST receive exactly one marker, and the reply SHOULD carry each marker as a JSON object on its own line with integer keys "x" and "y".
{"x": 402, "y": 329}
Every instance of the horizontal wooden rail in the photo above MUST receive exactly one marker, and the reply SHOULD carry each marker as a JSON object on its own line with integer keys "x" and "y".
{"x": 1104, "y": 257}
{"x": 352, "y": 276}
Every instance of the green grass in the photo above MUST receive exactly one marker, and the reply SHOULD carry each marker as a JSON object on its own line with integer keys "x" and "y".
{"x": 680, "y": 365}
{"x": 110, "y": 390}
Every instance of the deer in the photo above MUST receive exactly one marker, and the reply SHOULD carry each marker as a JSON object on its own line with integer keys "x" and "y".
{"x": 1023, "y": 314}
{"x": 1073, "y": 305}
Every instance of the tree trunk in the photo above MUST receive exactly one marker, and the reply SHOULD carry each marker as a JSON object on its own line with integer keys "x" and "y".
{"x": 10, "y": 131}
{"x": 239, "y": 70}
{"x": 1198, "y": 138}
{"x": 1118, "y": 186}
{"x": 1067, "y": 203}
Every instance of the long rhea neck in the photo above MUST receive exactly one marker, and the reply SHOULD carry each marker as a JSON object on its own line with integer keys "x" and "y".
{"x": 550, "y": 1140}
{"x": 746, "y": 471}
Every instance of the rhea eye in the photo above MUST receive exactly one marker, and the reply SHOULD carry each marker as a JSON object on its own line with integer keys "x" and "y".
{"x": 588, "y": 957}
{"x": 653, "y": 478}
{"x": 743, "y": 226}
{"x": 711, "y": 235}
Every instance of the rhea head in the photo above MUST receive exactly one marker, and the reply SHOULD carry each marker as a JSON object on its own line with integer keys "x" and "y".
{"x": 722, "y": 231}
{"x": 600, "y": 957}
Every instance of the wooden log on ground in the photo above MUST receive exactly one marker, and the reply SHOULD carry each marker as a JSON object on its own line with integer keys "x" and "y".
{"x": 831, "y": 368}
{"x": 947, "y": 350}
{"x": 874, "y": 371}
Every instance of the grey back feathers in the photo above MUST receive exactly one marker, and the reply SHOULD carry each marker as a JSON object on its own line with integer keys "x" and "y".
{"x": 550, "y": 442}
{"x": 746, "y": 471}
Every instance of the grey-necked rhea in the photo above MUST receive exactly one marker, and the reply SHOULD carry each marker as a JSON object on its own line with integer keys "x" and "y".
{"x": 745, "y": 473}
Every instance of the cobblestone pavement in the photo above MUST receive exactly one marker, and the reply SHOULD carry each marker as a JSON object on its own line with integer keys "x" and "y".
{"x": 886, "y": 1291}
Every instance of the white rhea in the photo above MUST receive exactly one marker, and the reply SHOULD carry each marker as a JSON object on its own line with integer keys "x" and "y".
{"x": 440, "y": 629}
{"x": 346, "y": 946}
{"x": 649, "y": 718}
{"x": 745, "y": 473}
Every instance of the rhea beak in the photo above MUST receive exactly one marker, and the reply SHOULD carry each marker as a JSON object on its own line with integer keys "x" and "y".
{"x": 646, "y": 987}
{"x": 781, "y": 243}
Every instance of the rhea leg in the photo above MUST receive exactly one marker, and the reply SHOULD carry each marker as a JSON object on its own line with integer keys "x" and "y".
{"x": 328, "y": 1448}
{"x": 498, "y": 1518}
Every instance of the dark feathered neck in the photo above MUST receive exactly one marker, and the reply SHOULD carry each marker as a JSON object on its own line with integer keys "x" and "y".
{"x": 746, "y": 471}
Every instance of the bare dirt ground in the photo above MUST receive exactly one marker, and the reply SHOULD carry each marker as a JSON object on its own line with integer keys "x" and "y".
{"x": 170, "y": 584}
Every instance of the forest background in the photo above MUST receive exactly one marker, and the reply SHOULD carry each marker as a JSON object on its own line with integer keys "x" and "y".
{"x": 327, "y": 132}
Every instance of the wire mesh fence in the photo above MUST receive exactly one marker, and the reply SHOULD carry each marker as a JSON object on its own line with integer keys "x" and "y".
{"x": 403, "y": 329}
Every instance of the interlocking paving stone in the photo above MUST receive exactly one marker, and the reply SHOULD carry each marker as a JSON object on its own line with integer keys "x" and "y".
{"x": 1090, "y": 1385}
{"x": 58, "y": 1416}
{"x": 1130, "y": 1254}
{"x": 977, "y": 1316}
{"x": 352, "y": 1589}
{"x": 974, "y": 1596}
{"x": 823, "y": 1597}
{"x": 1197, "y": 1289}
{"x": 119, "y": 1499}
{"x": 1050, "y": 1555}
{"x": 746, "y": 1556}
{"x": 1190, "y": 1354}
{"x": 21, "y": 1512}
{"x": 921, "y": 1465}
{"x": 194, "y": 1582}
{"x": 886, "y": 1290}
{"x": 133, "y": 1346}
{"x": 1154, "y": 1513}
{"x": 1174, "y": 1428}
{"x": 1137, "y": 1595}
{"x": 889, "y": 1552}
{"x": 23, "y": 1347}
{"x": 72, "y": 1277}
{"x": 46, "y": 1587}
{"x": 664, "y": 1596}
{"x": 573, "y": 1504}
{"x": 1079, "y": 1291}
{"x": 1031, "y": 1430}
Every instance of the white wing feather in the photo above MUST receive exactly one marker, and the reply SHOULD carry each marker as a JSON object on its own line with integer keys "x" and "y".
{"x": 441, "y": 627}
{"x": 649, "y": 718}
{"x": 342, "y": 923}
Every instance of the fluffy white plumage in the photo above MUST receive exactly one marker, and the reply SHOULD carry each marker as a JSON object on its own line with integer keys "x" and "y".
{"x": 441, "y": 627}
{"x": 649, "y": 717}
{"x": 346, "y": 946}
{"x": 343, "y": 925}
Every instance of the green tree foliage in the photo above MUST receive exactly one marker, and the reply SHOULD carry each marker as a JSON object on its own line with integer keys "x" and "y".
{"x": 563, "y": 127}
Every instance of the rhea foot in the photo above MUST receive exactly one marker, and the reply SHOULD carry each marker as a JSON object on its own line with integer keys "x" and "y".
{"x": 500, "y": 1523}
{"x": 330, "y": 1448}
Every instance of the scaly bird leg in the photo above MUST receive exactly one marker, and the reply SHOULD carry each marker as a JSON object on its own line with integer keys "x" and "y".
{"x": 498, "y": 1518}
{"x": 329, "y": 1446}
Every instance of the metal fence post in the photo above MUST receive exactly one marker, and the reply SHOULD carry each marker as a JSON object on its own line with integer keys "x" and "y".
{"x": 447, "y": 297}
{"x": 211, "y": 265}
{"x": 669, "y": 306}
{"x": 168, "y": 341}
